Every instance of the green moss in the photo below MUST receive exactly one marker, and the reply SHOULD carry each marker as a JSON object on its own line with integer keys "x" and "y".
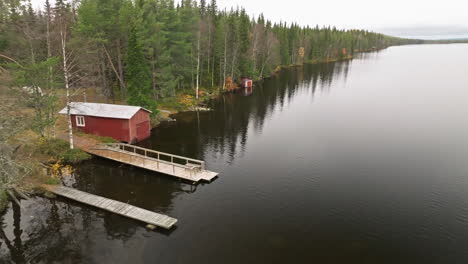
{"x": 98, "y": 138}
{"x": 52, "y": 181}
{"x": 59, "y": 149}
{"x": 50, "y": 195}
{"x": 53, "y": 147}
{"x": 75, "y": 156}
{"x": 107, "y": 140}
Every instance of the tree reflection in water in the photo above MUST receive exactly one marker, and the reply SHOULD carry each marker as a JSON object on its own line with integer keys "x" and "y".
{"x": 224, "y": 130}
{"x": 67, "y": 232}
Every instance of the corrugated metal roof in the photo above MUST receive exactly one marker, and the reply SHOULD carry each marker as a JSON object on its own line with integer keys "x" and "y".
{"x": 103, "y": 110}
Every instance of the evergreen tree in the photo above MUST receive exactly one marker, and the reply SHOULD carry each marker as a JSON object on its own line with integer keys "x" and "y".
{"x": 166, "y": 49}
{"x": 245, "y": 62}
{"x": 138, "y": 76}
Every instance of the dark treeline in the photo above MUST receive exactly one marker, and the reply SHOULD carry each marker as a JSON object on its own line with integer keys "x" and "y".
{"x": 145, "y": 50}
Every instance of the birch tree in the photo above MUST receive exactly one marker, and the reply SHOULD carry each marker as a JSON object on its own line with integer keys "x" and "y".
{"x": 67, "y": 66}
{"x": 198, "y": 66}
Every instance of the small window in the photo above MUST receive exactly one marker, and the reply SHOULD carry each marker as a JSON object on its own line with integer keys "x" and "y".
{"x": 80, "y": 121}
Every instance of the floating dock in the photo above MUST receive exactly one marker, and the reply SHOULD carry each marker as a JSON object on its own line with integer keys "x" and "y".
{"x": 123, "y": 209}
{"x": 173, "y": 165}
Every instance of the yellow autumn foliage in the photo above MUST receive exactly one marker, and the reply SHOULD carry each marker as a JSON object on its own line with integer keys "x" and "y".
{"x": 58, "y": 168}
{"x": 186, "y": 100}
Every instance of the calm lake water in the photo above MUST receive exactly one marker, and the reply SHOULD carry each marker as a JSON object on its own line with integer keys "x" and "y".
{"x": 364, "y": 161}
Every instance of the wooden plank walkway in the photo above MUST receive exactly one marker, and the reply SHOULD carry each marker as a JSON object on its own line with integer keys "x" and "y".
{"x": 113, "y": 206}
{"x": 178, "y": 166}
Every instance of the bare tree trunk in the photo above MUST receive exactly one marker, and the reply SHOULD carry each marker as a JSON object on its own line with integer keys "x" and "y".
{"x": 254, "y": 49}
{"x": 209, "y": 51}
{"x": 31, "y": 50}
{"x": 198, "y": 66}
{"x": 153, "y": 78}
{"x": 233, "y": 62}
{"x": 212, "y": 73}
{"x": 49, "y": 53}
{"x": 221, "y": 80}
{"x": 123, "y": 89}
{"x": 225, "y": 60}
{"x": 264, "y": 61}
{"x": 27, "y": 32}
{"x": 192, "y": 82}
{"x": 103, "y": 73}
{"x": 63, "y": 39}
{"x": 122, "y": 83}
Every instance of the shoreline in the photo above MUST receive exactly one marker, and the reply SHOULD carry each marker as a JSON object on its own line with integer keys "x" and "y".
{"x": 167, "y": 117}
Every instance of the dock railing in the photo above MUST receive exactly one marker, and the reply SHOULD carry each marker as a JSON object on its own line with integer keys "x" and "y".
{"x": 153, "y": 154}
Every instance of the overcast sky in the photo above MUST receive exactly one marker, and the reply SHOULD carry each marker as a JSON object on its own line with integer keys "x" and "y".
{"x": 409, "y": 18}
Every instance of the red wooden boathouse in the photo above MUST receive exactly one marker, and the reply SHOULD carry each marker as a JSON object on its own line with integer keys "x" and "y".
{"x": 120, "y": 122}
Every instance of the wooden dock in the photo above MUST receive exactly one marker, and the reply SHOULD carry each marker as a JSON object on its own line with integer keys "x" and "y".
{"x": 178, "y": 166}
{"x": 123, "y": 209}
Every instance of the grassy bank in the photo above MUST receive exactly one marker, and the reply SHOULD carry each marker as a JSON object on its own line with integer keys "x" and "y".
{"x": 58, "y": 150}
{"x": 186, "y": 101}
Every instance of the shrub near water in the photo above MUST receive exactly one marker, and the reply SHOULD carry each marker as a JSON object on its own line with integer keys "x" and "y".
{"x": 60, "y": 150}
{"x": 75, "y": 156}
{"x": 52, "y": 147}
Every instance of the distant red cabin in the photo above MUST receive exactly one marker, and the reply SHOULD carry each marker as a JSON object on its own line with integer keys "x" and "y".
{"x": 246, "y": 83}
{"x": 121, "y": 122}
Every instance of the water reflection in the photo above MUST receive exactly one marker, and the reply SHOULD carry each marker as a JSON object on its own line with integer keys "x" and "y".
{"x": 60, "y": 230}
{"x": 16, "y": 246}
{"x": 247, "y": 91}
{"x": 67, "y": 228}
{"x": 224, "y": 131}
{"x": 48, "y": 226}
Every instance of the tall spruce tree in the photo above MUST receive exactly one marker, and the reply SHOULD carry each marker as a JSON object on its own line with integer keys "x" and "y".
{"x": 138, "y": 76}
